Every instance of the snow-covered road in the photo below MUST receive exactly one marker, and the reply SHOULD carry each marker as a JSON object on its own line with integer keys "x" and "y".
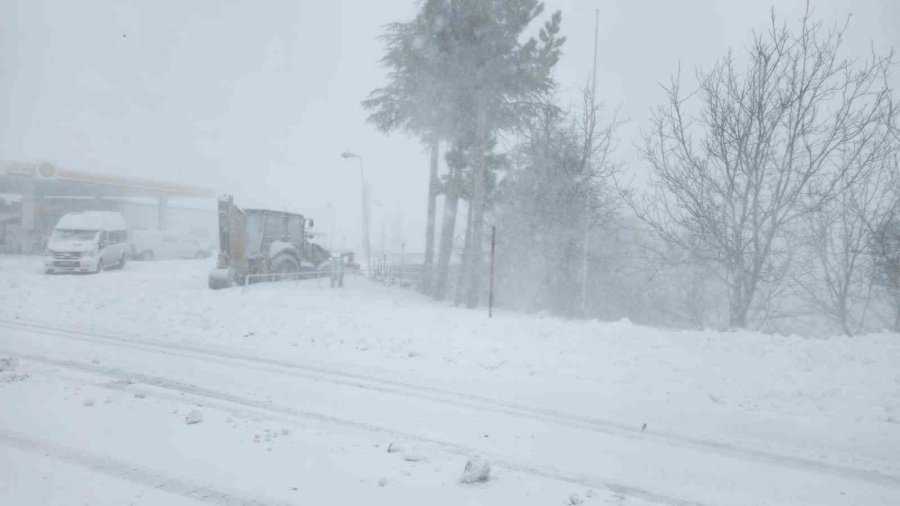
{"x": 303, "y": 390}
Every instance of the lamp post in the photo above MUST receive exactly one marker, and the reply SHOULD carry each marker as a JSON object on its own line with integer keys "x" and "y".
{"x": 333, "y": 225}
{"x": 383, "y": 245}
{"x": 365, "y": 206}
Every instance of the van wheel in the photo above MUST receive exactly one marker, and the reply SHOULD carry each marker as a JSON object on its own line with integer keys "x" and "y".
{"x": 121, "y": 262}
{"x": 99, "y": 266}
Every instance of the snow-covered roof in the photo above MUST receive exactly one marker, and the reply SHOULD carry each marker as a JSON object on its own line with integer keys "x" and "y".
{"x": 92, "y": 220}
{"x": 9, "y": 198}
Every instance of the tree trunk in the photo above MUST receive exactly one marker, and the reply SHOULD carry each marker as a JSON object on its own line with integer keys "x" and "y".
{"x": 448, "y": 229}
{"x": 896, "y": 314}
{"x": 479, "y": 196}
{"x": 467, "y": 250}
{"x": 427, "y": 268}
{"x": 737, "y": 317}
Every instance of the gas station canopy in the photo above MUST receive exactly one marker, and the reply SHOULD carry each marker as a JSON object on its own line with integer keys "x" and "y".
{"x": 46, "y": 192}
{"x": 48, "y": 180}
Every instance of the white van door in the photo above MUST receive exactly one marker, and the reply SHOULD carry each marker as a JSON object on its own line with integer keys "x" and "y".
{"x": 189, "y": 247}
{"x": 169, "y": 245}
{"x": 119, "y": 247}
{"x": 103, "y": 244}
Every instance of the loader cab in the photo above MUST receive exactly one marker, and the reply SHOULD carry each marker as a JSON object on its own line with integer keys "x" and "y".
{"x": 265, "y": 227}
{"x": 262, "y": 245}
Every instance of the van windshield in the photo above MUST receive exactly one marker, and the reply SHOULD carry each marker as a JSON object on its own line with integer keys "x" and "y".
{"x": 74, "y": 235}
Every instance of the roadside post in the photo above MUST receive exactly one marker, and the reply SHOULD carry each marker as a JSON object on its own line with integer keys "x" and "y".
{"x": 491, "y": 286}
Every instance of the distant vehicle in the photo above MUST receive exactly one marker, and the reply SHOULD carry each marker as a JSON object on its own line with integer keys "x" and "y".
{"x": 88, "y": 241}
{"x": 261, "y": 244}
{"x": 167, "y": 244}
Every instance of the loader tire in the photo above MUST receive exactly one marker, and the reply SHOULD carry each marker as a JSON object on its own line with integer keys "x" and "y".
{"x": 284, "y": 266}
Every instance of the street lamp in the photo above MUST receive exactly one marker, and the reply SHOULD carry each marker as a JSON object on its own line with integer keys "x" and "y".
{"x": 383, "y": 245}
{"x": 347, "y": 155}
{"x": 333, "y": 225}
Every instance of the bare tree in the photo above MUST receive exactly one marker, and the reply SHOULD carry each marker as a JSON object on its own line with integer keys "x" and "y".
{"x": 842, "y": 232}
{"x": 767, "y": 145}
{"x": 884, "y": 246}
{"x": 550, "y": 203}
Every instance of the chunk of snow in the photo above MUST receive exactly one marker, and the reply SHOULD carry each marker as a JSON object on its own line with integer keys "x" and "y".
{"x": 88, "y": 402}
{"x": 575, "y": 500}
{"x": 393, "y": 448}
{"x": 476, "y": 471}
{"x": 193, "y": 417}
{"x": 221, "y": 277}
{"x": 382, "y": 482}
{"x": 9, "y": 364}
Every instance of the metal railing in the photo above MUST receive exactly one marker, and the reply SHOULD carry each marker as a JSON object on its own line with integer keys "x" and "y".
{"x": 335, "y": 275}
{"x": 403, "y": 269}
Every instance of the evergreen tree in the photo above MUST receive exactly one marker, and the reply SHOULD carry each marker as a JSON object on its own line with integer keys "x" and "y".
{"x": 459, "y": 69}
{"x": 559, "y": 187}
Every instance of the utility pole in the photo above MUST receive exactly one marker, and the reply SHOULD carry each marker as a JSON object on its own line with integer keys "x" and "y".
{"x": 587, "y": 163}
{"x": 365, "y": 207}
{"x": 596, "y": 33}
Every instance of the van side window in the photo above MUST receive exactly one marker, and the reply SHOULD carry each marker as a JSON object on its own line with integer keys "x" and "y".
{"x": 117, "y": 237}
{"x": 104, "y": 238}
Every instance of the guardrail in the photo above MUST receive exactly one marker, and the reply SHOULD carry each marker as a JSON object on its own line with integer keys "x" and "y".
{"x": 335, "y": 275}
{"x": 398, "y": 270}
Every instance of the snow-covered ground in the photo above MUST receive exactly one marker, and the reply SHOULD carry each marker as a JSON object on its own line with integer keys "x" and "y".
{"x": 372, "y": 394}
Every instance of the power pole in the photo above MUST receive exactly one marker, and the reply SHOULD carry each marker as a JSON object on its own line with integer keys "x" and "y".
{"x": 587, "y": 162}
{"x": 596, "y": 33}
{"x": 347, "y": 155}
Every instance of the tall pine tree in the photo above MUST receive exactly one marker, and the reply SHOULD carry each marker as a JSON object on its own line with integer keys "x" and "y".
{"x": 461, "y": 69}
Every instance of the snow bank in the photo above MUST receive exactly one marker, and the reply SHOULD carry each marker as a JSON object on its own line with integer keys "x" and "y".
{"x": 834, "y": 395}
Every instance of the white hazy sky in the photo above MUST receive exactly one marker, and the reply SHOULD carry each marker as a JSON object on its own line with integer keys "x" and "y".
{"x": 259, "y": 99}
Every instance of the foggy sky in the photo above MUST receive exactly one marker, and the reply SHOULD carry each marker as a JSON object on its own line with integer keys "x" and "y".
{"x": 259, "y": 99}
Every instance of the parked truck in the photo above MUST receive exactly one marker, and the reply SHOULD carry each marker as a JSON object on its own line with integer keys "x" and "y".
{"x": 264, "y": 245}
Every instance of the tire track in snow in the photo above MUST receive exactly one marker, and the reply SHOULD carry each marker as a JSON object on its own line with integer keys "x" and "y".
{"x": 133, "y": 473}
{"x": 410, "y": 390}
{"x": 226, "y": 401}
